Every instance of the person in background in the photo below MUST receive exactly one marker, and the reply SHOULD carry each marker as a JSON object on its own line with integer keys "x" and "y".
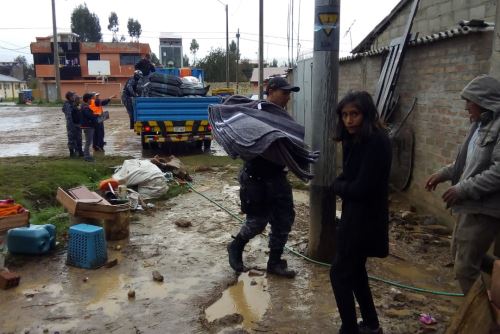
{"x": 145, "y": 65}
{"x": 89, "y": 122}
{"x": 363, "y": 187}
{"x": 71, "y": 130}
{"x": 129, "y": 93}
{"x": 266, "y": 197}
{"x": 96, "y": 105}
{"x": 76, "y": 116}
{"x": 475, "y": 181}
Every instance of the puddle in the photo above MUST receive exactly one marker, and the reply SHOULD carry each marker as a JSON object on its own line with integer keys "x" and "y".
{"x": 251, "y": 301}
{"x": 18, "y": 149}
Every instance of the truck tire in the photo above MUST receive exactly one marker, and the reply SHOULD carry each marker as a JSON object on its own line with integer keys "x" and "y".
{"x": 207, "y": 143}
{"x": 145, "y": 146}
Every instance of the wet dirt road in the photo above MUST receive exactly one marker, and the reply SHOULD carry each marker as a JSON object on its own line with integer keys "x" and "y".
{"x": 200, "y": 293}
{"x": 42, "y": 131}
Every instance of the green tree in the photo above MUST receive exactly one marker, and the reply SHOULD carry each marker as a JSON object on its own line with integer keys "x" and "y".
{"x": 113, "y": 26}
{"x": 85, "y": 24}
{"x": 194, "y": 47}
{"x": 185, "y": 61}
{"x": 134, "y": 29}
{"x": 214, "y": 65}
{"x": 274, "y": 63}
{"x": 28, "y": 69}
{"x": 246, "y": 70}
{"x": 154, "y": 59}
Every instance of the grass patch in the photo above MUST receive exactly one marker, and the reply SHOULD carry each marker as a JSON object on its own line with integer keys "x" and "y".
{"x": 33, "y": 181}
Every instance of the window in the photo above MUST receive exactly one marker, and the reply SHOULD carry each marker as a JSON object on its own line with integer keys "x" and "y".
{"x": 93, "y": 56}
{"x": 43, "y": 58}
{"x": 129, "y": 58}
{"x": 7, "y": 86}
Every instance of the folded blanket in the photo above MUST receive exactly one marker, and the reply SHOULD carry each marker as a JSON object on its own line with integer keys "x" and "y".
{"x": 246, "y": 128}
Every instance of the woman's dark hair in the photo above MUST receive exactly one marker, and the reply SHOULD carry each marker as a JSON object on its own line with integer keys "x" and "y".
{"x": 363, "y": 101}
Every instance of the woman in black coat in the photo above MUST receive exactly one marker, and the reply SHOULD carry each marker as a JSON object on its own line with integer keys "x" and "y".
{"x": 363, "y": 228}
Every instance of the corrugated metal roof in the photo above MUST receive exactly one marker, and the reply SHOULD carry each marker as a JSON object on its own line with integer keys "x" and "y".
{"x": 459, "y": 31}
{"x": 268, "y": 72}
{"x": 366, "y": 43}
{"x": 6, "y": 78}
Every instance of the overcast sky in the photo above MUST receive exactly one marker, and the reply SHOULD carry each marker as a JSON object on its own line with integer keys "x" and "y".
{"x": 204, "y": 20}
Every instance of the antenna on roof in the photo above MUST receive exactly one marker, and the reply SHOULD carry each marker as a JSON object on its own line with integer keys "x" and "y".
{"x": 349, "y": 31}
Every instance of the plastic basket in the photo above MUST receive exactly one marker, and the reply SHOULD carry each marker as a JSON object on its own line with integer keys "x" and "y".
{"x": 87, "y": 246}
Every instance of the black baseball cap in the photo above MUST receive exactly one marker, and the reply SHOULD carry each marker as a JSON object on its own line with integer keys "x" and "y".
{"x": 281, "y": 83}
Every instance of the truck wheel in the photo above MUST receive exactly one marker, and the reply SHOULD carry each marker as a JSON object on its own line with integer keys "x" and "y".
{"x": 145, "y": 146}
{"x": 206, "y": 144}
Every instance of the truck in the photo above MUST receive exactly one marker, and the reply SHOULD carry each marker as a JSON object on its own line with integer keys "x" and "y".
{"x": 162, "y": 121}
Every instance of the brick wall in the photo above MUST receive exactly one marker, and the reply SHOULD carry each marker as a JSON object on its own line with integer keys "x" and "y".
{"x": 435, "y": 73}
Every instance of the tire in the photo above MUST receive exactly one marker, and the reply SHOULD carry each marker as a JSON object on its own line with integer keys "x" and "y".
{"x": 145, "y": 146}
{"x": 207, "y": 143}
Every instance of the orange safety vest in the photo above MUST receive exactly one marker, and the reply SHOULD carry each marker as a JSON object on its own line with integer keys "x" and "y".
{"x": 96, "y": 110}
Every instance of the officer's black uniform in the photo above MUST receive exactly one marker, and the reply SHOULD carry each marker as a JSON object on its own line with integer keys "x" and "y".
{"x": 266, "y": 197}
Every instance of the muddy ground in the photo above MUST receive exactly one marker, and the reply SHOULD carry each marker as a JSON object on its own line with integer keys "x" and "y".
{"x": 200, "y": 293}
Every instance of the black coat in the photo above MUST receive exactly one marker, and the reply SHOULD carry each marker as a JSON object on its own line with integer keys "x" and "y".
{"x": 364, "y": 189}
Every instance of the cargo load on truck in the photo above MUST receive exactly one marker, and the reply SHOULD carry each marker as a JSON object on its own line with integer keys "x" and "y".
{"x": 173, "y": 109}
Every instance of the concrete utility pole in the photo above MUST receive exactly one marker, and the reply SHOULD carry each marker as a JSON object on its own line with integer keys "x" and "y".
{"x": 56, "y": 52}
{"x": 237, "y": 59}
{"x": 227, "y": 48}
{"x": 495, "y": 72}
{"x": 261, "y": 49}
{"x": 495, "y": 51}
{"x": 325, "y": 89}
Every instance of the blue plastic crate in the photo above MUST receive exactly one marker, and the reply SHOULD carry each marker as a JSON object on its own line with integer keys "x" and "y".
{"x": 87, "y": 246}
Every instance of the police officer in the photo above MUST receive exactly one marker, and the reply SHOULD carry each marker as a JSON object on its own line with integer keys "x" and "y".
{"x": 71, "y": 129}
{"x": 129, "y": 92}
{"x": 266, "y": 197}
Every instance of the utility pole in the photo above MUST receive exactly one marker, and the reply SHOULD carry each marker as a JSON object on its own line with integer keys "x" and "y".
{"x": 261, "y": 49}
{"x": 56, "y": 53}
{"x": 237, "y": 59}
{"x": 227, "y": 48}
{"x": 325, "y": 89}
{"x": 495, "y": 52}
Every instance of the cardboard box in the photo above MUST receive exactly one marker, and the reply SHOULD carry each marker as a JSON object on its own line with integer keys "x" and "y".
{"x": 12, "y": 221}
{"x": 81, "y": 202}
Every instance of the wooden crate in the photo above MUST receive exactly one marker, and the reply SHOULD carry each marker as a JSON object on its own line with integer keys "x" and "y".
{"x": 12, "y": 221}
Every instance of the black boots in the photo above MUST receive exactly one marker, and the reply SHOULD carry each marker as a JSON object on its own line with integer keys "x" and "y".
{"x": 235, "y": 252}
{"x": 72, "y": 153}
{"x": 277, "y": 266}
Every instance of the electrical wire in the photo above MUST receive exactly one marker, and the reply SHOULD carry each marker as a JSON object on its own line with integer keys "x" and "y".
{"x": 375, "y": 278}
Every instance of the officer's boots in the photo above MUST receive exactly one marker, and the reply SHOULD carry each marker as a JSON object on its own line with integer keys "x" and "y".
{"x": 277, "y": 266}
{"x": 235, "y": 252}
{"x": 72, "y": 153}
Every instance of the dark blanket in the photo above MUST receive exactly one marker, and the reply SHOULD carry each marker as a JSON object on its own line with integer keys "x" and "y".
{"x": 246, "y": 128}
